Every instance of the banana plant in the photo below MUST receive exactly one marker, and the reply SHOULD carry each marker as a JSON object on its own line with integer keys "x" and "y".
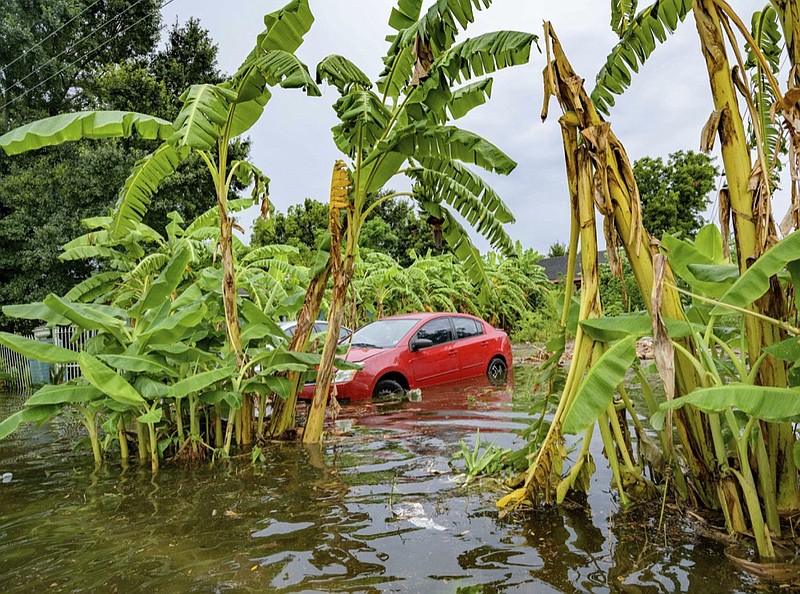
{"x": 212, "y": 116}
{"x": 400, "y": 126}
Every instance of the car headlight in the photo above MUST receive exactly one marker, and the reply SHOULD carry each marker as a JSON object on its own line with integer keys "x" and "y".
{"x": 344, "y": 375}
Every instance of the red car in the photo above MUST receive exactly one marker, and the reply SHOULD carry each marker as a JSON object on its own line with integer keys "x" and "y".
{"x": 410, "y": 351}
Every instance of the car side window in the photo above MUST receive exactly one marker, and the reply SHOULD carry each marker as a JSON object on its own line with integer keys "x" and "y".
{"x": 438, "y": 331}
{"x": 466, "y": 328}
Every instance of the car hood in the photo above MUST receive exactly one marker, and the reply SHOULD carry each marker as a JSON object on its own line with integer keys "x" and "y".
{"x": 360, "y": 354}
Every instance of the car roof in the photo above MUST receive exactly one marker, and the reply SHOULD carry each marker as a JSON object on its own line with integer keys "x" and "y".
{"x": 423, "y": 315}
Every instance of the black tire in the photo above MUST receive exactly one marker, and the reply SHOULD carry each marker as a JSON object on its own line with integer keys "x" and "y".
{"x": 387, "y": 387}
{"x": 497, "y": 371}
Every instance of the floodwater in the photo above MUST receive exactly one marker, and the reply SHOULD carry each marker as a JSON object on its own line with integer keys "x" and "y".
{"x": 376, "y": 510}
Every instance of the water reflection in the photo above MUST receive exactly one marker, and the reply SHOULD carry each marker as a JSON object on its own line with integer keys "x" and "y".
{"x": 359, "y": 515}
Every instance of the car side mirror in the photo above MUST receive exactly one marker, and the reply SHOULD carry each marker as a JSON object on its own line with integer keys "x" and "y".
{"x": 421, "y": 343}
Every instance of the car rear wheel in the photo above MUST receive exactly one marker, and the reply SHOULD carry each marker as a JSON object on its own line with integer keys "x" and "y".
{"x": 387, "y": 387}
{"x": 497, "y": 372}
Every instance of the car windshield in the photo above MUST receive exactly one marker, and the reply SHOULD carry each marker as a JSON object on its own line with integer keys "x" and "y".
{"x": 383, "y": 334}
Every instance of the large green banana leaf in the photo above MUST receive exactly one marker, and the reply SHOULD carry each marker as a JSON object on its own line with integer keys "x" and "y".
{"x": 447, "y": 143}
{"x": 465, "y": 178}
{"x": 91, "y": 316}
{"x": 29, "y": 414}
{"x": 205, "y": 111}
{"x": 39, "y": 351}
{"x": 437, "y": 29}
{"x": 470, "y": 206}
{"x": 766, "y": 403}
{"x": 36, "y": 311}
{"x": 166, "y": 283}
{"x": 682, "y": 256}
{"x": 638, "y": 42}
{"x": 109, "y": 381}
{"x": 611, "y": 328}
{"x": 755, "y": 281}
{"x": 200, "y": 381}
{"x": 142, "y": 184}
{"x": 285, "y": 28}
{"x": 85, "y": 124}
{"x": 64, "y": 394}
{"x": 341, "y": 73}
{"x": 459, "y": 242}
{"x": 363, "y": 120}
{"x": 597, "y": 389}
{"x": 139, "y": 364}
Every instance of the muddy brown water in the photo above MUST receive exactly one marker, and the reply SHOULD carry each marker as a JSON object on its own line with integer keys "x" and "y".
{"x": 374, "y": 511}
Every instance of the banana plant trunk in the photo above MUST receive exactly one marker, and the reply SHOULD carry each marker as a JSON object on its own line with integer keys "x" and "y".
{"x": 612, "y": 163}
{"x": 316, "y": 414}
{"x": 342, "y": 269}
{"x": 283, "y": 411}
{"x": 753, "y": 229}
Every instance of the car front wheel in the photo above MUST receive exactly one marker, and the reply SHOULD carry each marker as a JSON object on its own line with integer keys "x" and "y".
{"x": 387, "y": 387}
{"x": 497, "y": 372}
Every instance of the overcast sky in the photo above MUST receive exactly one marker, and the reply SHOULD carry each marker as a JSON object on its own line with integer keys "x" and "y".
{"x": 663, "y": 111}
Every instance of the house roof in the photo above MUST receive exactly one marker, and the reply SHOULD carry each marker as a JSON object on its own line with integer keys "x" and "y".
{"x": 556, "y": 267}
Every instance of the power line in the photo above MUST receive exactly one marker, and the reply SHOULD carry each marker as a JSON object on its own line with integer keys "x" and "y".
{"x": 86, "y": 55}
{"x": 76, "y": 44}
{"x": 18, "y": 58}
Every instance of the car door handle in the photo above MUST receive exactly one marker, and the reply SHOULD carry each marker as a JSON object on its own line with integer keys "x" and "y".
{"x": 485, "y": 343}
{"x": 452, "y": 352}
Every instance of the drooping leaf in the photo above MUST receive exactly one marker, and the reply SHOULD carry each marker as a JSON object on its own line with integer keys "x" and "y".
{"x": 142, "y": 184}
{"x": 755, "y": 281}
{"x": 475, "y": 209}
{"x": 63, "y": 394}
{"x": 205, "y": 111}
{"x": 138, "y": 364}
{"x": 108, "y": 381}
{"x": 469, "y": 97}
{"x": 636, "y": 45}
{"x": 363, "y": 120}
{"x": 37, "y": 350}
{"x": 70, "y": 127}
{"x": 460, "y": 244}
{"x": 597, "y": 389}
{"x": 166, "y": 283}
{"x": 447, "y": 143}
{"x": 611, "y": 328}
{"x": 35, "y": 311}
{"x": 762, "y": 402}
{"x": 340, "y": 72}
{"x": 200, "y": 381}
{"x": 90, "y": 289}
{"x": 32, "y": 414}
{"x": 90, "y": 316}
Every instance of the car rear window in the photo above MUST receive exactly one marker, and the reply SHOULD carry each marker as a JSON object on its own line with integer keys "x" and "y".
{"x": 437, "y": 330}
{"x": 466, "y": 327}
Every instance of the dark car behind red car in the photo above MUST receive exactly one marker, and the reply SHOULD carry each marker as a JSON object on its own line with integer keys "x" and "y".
{"x": 411, "y": 351}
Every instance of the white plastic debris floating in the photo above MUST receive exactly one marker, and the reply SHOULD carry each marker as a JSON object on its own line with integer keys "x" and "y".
{"x": 415, "y": 513}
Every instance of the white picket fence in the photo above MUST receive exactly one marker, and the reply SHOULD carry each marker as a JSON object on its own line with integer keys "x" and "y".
{"x": 25, "y": 372}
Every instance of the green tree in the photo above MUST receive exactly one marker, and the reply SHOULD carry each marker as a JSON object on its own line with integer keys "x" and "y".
{"x": 51, "y": 51}
{"x": 394, "y": 229}
{"x": 557, "y": 249}
{"x": 675, "y": 194}
{"x": 39, "y": 211}
{"x": 302, "y": 227}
